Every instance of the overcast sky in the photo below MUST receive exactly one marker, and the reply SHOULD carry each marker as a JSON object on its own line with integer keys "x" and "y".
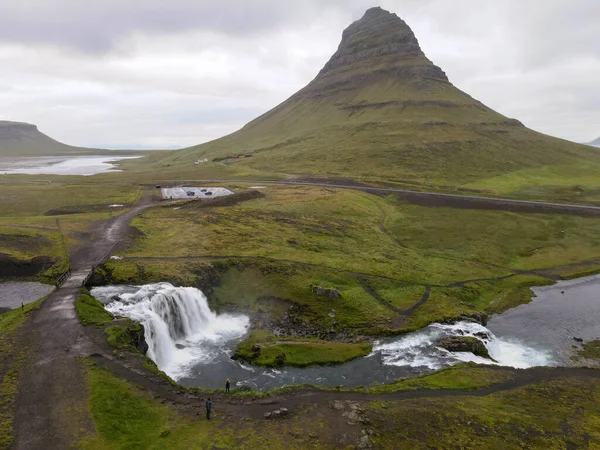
{"x": 168, "y": 74}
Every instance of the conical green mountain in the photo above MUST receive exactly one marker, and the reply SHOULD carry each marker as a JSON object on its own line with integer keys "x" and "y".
{"x": 380, "y": 109}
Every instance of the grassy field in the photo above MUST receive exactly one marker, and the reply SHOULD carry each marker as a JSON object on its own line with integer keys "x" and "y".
{"x": 531, "y": 417}
{"x": 558, "y": 414}
{"x": 50, "y": 217}
{"x": 293, "y": 238}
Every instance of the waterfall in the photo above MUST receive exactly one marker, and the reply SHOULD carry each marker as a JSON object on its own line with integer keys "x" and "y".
{"x": 179, "y": 326}
{"x": 418, "y": 349}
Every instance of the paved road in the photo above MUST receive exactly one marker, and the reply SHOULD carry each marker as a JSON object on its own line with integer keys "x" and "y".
{"x": 438, "y": 199}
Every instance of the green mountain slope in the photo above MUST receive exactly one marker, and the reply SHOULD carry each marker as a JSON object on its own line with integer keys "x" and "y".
{"x": 24, "y": 139}
{"x": 380, "y": 109}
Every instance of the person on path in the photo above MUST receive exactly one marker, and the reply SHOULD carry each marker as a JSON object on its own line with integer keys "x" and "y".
{"x": 208, "y": 407}
{"x": 22, "y": 306}
{"x": 227, "y": 385}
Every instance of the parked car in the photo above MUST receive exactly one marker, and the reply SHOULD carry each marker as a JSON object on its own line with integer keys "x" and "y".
{"x": 190, "y": 193}
{"x": 208, "y": 193}
{"x": 158, "y": 186}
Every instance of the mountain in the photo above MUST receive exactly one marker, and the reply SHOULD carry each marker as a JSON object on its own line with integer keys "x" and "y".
{"x": 24, "y": 139}
{"x": 595, "y": 143}
{"x": 380, "y": 109}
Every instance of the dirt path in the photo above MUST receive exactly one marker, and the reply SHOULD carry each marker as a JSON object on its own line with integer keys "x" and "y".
{"x": 51, "y": 406}
{"x": 295, "y": 399}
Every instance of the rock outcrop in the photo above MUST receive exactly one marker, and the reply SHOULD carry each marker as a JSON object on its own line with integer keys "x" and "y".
{"x": 464, "y": 344}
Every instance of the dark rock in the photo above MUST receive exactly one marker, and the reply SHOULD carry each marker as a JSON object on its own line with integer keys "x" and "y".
{"x": 139, "y": 339}
{"x": 332, "y": 294}
{"x": 578, "y": 339}
{"x": 280, "y": 359}
{"x": 464, "y": 344}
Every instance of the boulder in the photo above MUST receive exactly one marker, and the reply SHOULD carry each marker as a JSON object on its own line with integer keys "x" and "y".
{"x": 464, "y": 344}
{"x": 280, "y": 359}
{"x": 331, "y": 293}
{"x": 267, "y": 415}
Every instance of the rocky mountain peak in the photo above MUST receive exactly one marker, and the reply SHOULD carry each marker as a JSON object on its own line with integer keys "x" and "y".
{"x": 380, "y": 45}
{"x": 377, "y": 33}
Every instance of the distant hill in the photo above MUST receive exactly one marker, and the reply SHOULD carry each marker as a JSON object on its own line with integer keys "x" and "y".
{"x": 380, "y": 109}
{"x": 24, "y": 139}
{"x": 595, "y": 142}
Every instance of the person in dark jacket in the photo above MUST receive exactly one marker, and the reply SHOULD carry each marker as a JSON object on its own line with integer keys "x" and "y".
{"x": 208, "y": 405}
{"x": 227, "y": 385}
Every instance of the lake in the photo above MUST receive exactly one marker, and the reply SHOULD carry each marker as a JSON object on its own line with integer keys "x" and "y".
{"x": 61, "y": 165}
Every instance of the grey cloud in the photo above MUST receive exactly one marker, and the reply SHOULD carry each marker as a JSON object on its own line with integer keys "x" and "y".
{"x": 180, "y": 72}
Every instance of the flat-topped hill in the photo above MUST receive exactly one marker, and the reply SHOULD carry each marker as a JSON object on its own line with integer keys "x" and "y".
{"x": 24, "y": 139}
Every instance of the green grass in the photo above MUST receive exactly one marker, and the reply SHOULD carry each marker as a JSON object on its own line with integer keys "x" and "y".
{"x": 262, "y": 348}
{"x": 90, "y": 311}
{"x": 465, "y": 377}
{"x": 12, "y": 359}
{"x": 563, "y": 413}
{"x": 123, "y": 336}
{"x": 127, "y": 417}
{"x": 541, "y": 415}
{"x": 591, "y": 350}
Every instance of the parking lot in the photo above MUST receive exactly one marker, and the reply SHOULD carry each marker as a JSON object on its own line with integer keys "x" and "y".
{"x": 190, "y": 193}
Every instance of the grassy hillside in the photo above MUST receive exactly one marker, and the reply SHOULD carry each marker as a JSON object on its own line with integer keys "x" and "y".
{"x": 380, "y": 110}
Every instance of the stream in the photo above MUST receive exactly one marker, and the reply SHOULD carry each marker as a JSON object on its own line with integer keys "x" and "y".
{"x": 193, "y": 344}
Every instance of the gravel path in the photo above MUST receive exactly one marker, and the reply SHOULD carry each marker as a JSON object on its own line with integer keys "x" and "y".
{"x": 51, "y": 406}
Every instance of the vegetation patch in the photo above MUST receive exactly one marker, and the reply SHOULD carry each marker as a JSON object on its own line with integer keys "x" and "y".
{"x": 264, "y": 349}
{"x": 91, "y": 311}
{"x": 127, "y": 334}
{"x": 465, "y": 377}
{"x": 591, "y": 351}
{"x": 128, "y": 417}
{"x": 562, "y": 413}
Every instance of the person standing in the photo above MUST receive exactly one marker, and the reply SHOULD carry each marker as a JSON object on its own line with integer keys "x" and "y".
{"x": 208, "y": 405}
{"x": 227, "y": 385}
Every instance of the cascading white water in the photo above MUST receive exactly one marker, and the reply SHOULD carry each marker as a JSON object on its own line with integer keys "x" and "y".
{"x": 179, "y": 326}
{"x": 419, "y": 350}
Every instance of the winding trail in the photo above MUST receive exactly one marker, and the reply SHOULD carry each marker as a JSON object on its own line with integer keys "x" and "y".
{"x": 51, "y": 405}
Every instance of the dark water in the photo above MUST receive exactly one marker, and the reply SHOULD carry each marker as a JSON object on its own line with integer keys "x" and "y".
{"x": 556, "y": 315}
{"x": 537, "y": 334}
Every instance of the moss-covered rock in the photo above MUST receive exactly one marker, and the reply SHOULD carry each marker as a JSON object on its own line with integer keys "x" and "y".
{"x": 464, "y": 344}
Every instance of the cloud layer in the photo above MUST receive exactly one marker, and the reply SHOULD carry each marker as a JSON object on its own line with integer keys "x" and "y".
{"x": 170, "y": 74}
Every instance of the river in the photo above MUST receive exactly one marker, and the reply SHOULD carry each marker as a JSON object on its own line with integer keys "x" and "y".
{"x": 194, "y": 345}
